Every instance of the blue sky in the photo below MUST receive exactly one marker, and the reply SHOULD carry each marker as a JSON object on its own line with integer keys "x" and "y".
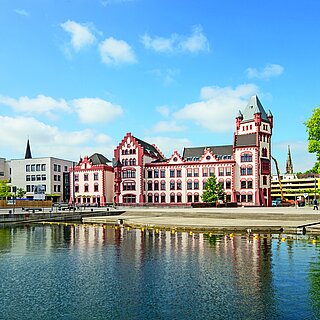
{"x": 75, "y": 76}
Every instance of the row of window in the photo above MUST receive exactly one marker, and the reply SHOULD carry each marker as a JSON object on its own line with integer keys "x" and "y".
{"x": 246, "y": 184}
{"x": 246, "y": 157}
{"x": 131, "y": 151}
{"x": 38, "y": 177}
{"x": 86, "y": 188}
{"x": 246, "y": 171}
{"x": 42, "y": 167}
{"x": 129, "y": 162}
{"x": 86, "y": 176}
{"x": 174, "y": 198}
{"x": 30, "y": 188}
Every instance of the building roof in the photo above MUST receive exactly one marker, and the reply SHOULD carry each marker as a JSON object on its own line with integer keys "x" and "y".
{"x": 98, "y": 158}
{"x": 195, "y": 153}
{"x": 149, "y": 147}
{"x": 245, "y": 140}
{"x": 254, "y": 106}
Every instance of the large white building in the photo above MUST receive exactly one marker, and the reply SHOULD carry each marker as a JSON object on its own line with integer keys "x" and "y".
{"x": 43, "y": 175}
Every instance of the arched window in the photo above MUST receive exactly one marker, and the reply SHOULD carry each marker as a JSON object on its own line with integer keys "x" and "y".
{"x": 243, "y": 184}
{"x": 149, "y": 185}
{"x": 243, "y": 197}
{"x": 189, "y": 185}
{"x": 156, "y": 185}
{"x": 130, "y": 162}
{"x": 249, "y": 184}
{"x": 221, "y": 181}
{"x": 156, "y": 197}
{"x": 189, "y": 197}
{"x": 249, "y": 170}
{"x": 228, "y": 184}
{"x": 130, "y": 151}
{"x": 172, "y": 197}
{"x": 264, "y": 179}
{"x": 163, "y": 197}
{"x": 96, "y": 187}
{"x": 86, "y": 188}
{"x": 129, "y": 198}
{"x": 134, "y": 162}
{"x": 246, "y": 157}
{"x": 172, "y": 185}
{"x": 250, "y": 197}
{"x": 163, "y": 185}
{"x": 126, "y": 152}
{"x": 126, "y": 162}
{"x": 243, "y": 170}
{"x": 179, "y": 197}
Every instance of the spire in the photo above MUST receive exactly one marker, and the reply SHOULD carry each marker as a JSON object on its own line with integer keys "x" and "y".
{"x": 289, "y": 166}
{"x": 254, "y": 107}
{"x": 28, "y": 151}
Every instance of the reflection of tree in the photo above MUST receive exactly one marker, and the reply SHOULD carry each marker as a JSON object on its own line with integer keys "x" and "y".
{"x": 314, "y": 275}
{"x": 5, "y": 239}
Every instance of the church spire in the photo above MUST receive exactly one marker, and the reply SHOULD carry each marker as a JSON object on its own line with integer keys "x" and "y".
{"x": 28, "y": 151}
{"x": 289, "y": 165}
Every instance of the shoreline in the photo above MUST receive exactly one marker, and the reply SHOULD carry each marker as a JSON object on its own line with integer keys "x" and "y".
{"x": 257, "y": 219}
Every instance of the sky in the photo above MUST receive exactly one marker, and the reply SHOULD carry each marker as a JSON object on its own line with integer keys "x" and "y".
{"x": 77, "y": 75}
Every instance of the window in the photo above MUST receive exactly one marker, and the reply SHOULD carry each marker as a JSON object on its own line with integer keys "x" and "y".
{"x": 96, "y": 187}
{"x": 43, "y": 167}
{"x": 196, "y": 198}
{"x": 149, "y": 174}
{"x": 65, "y": 168}
{"x": 156, "y": 185}
{"x": 249, "y": 184}
{"x": 156, "y": 173}
{"x": 179, "y": 185}
{"x": 124, "y": 174}
{"x": 55, "y": 167}
{"x": 196, "y": 185}
{"x": 38, "y": 177}
{"x": 38, "y": 167}
{"x": 86, "y": 188}
{"x": 55, "y": 177}
{"x": 33, "y": 167}
{"x": 163, "y": 198}
{"x": 28, "y": 168}
{"x": 250, "y": 198}
{"x": 33, "y": 178}
{"x": 172, "y": 197}
{"x": 189, "y": 197}
{"x": 246, "y": 157}
{"x": 228, "y": 184}
{"x": 211, "y": 171}
{"x": 58, "y": 188}
{"x": 76, "y": 177}
{"x": 129, "y": 198}
{"x": 86, "y": 177}
{"x": 163, "y": 185}
{"x": 76, "y": 188}
{"x": 196, "y": 172}
{"x": 28, "y": 188}
{"x": 149, "y": 197}
{"x": 179, "y": 198}
{"x": 228, "y": 171}
{"x": 189, "y": 172}
{"x": 243, "y": 198}
{"x": 221, "y": 172}
{"x": 171, "y": 173}
{"x": 228, "y": 197}
{"x": 43, "y": 177}
{"x": 249, "y": 170}
{"x": 189, "y": 185}
{"x": 156, "y": 198}
{"x": 243, "y": 184}
{"x": 204, "y": 184}
{"x": 96, "y": 176}
{"x": 28, "y": 177}
{"x": 162, "y": 174}
{"x": 172, "y": 185}
{"x": 243, "y": 171}
{"x": 264, "y": 179}
{"x": 179, "y": 173}
{"x": 149, "y": 185}
{"x": 204, "y": 172}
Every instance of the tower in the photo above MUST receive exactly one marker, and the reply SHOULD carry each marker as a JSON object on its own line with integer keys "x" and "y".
{"x": 28, "y": 151}
{"x": 289, "y": 165}
{"x": 252, "y": 152}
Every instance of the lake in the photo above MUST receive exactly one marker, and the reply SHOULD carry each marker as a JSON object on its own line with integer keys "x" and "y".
{"x": 51, "y": 271}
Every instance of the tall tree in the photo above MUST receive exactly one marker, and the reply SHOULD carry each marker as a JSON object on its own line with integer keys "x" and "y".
{"x": 213, "y": 190}
{"x": 313, "y": 130}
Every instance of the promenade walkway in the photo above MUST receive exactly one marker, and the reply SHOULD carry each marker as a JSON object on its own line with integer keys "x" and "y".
{"x": 258, "y": 219}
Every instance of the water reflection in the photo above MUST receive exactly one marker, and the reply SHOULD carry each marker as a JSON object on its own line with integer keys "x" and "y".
{"x": 77, "y": 271}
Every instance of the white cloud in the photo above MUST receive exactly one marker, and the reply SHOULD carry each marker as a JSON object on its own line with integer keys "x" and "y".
{"x": 113, "y": 51}
{"x": 167, "y": 126}
{"x": 48, "y": 140}
{"x": 269, "y": 71}
{"x": 218, "y": 105}
{"x": 39, "y": 105}
{"x": 22, "y": 12}
{"x": 167, "y": 76}
{"x": 93, "y": 110}
{"x": 81, "y": 35}
{"x": 167, "y": 144}
{"x": 194, "y": 43}
{"x": 163, "y": 110}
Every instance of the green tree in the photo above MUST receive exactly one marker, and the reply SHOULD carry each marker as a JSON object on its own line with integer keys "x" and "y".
{"x": 20, "y": 193}
{"x": 213, "y": 190}
{"x": 4, "y": 189}
{"x": 313, "y": 130}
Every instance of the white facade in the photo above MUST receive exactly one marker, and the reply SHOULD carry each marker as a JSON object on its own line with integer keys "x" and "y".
{"x": 50, "y": 173}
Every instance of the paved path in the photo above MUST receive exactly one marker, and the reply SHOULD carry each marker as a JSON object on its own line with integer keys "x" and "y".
{"x": 260, "y": 219}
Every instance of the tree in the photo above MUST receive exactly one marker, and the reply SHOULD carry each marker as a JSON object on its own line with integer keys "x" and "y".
{"x": 213, "y": 190}
{"x": 313, "y": 130}
{"x": 4, "y": 189}
{"x": 20, "y": 193}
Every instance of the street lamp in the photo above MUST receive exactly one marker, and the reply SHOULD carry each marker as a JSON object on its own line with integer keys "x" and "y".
{"x": 14, "y": 189}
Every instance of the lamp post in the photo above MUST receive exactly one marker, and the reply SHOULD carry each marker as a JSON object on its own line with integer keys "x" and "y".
{"x": 73, "y": 191}
{"x": 315, "y": 187}
{"x": 14, "y": 189}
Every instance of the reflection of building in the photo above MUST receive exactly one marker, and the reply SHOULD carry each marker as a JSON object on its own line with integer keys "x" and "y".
{"x": 93, "y": 181}
{"x": 47, "y": 172}
{"x": 144, "y": 176}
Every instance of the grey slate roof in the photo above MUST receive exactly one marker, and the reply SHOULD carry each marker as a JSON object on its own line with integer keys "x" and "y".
{"x": 98, "y": 158}
{"x": 197, "y": 152}
{"x": 149, "y": 147}
{"x": 246, "y": 140}
{"x": 254, "y": 106}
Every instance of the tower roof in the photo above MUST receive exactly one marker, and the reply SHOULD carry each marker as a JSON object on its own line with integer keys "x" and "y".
{"x": 254, "y": 106}
{"x": 98, "y": 158}
{"x": 28, "y": 151}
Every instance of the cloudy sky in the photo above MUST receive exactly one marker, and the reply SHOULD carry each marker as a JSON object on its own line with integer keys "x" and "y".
{"x": 76, "y": 75}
